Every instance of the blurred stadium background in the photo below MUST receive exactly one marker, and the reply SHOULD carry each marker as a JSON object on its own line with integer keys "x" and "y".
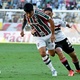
{"x": 55, "y": 4}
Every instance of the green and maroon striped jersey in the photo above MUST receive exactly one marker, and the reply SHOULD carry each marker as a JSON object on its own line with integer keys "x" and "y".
{"x": 39, "y": 22}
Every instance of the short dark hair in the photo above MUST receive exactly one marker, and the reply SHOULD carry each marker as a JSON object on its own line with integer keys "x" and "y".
{"x": 48, "y": 9}
{"x": 28, "y": 7}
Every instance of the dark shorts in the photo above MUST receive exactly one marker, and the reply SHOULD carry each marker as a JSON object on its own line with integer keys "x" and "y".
{"x": 65, "y": 45}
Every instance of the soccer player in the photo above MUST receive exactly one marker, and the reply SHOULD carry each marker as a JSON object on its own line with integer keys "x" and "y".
{"x": 62, "y": 43}
{"x": 44, "y": 34}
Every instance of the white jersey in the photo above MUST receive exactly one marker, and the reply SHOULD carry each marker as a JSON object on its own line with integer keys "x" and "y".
{"x": 59, "y": 35}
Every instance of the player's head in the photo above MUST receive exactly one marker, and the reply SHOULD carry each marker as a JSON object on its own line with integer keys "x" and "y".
{"x": 48, "y": 11}
{"x": 28, "y": 8}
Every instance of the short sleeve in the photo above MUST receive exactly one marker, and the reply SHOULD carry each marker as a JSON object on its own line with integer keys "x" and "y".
{"x": 42, "y": 14}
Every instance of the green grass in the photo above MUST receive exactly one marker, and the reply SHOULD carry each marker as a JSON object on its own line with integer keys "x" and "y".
{"x": 23, "y": 62}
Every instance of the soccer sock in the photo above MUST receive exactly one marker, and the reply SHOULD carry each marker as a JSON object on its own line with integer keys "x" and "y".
{"x": 76, "y": 65}
{"x": 47, "y": 61}
{"x": 65, "y": 63}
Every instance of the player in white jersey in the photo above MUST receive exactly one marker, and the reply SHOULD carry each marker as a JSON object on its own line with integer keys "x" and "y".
{"x": 58, "y": 33}
{"x": 62, "y": 43}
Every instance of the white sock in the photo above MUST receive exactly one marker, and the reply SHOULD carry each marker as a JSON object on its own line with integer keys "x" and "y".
{"x": 47, "y": 61}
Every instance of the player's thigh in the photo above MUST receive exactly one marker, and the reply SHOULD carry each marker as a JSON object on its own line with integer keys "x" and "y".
{"x": 41, "y": 46}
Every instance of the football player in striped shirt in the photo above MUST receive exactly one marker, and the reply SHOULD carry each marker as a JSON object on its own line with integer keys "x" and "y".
{"x": 44, "y": 33}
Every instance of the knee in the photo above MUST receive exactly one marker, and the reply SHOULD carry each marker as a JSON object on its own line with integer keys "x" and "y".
{"x": 42, "y": 53}
{"x": 52, "y": 55}
{"x": 58, "y": 50}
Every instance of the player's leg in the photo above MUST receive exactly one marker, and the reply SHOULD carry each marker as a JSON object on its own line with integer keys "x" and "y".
{"x": 51, "y": 51}
{"x": 50, "y": 48}
{"x": 47, "y": 60}
{"x": 64, "y": 61}
{"x": 61, "y": 57}
{"x": 41, "y": 45}
{"x": 75, "y": 61}
{"x": 70, "y": 51}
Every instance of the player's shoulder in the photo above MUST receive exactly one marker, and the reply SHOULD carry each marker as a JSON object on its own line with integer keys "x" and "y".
{"x": 41, "y": 14}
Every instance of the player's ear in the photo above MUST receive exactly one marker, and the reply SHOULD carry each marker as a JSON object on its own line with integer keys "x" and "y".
{"x": 52, "y": 14}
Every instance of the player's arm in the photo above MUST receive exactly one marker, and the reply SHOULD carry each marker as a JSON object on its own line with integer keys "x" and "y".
{"x": 68, "y": 25}
{"x": 65, "y": 24}
{"x": 23, "y": 26}
{"x": 52, "y": 29}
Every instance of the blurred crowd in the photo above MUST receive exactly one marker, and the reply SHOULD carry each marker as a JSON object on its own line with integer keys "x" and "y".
{"x": 55, "y": 4}
{"x": 16, "y": 17}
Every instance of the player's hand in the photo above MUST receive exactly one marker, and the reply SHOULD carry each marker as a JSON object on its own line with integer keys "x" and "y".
{"x": 22, "y": 34}
{"x": 68, "y": 25}
{"x": 33, "y": 31}
{"x": 52, "y": 38}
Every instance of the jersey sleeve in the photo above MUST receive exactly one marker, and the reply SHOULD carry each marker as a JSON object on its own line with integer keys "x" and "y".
{"x": 42, "y": 15}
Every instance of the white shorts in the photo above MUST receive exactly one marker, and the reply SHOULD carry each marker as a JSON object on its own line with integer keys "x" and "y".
{"x": 44, "y": 42}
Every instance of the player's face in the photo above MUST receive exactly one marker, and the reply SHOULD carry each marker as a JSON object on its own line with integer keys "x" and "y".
{"x": 49, "y": 13}
{"x": 29, "y": 14}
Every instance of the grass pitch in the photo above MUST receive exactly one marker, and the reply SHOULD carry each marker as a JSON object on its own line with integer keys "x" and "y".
{"x": 23, "y": 62}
